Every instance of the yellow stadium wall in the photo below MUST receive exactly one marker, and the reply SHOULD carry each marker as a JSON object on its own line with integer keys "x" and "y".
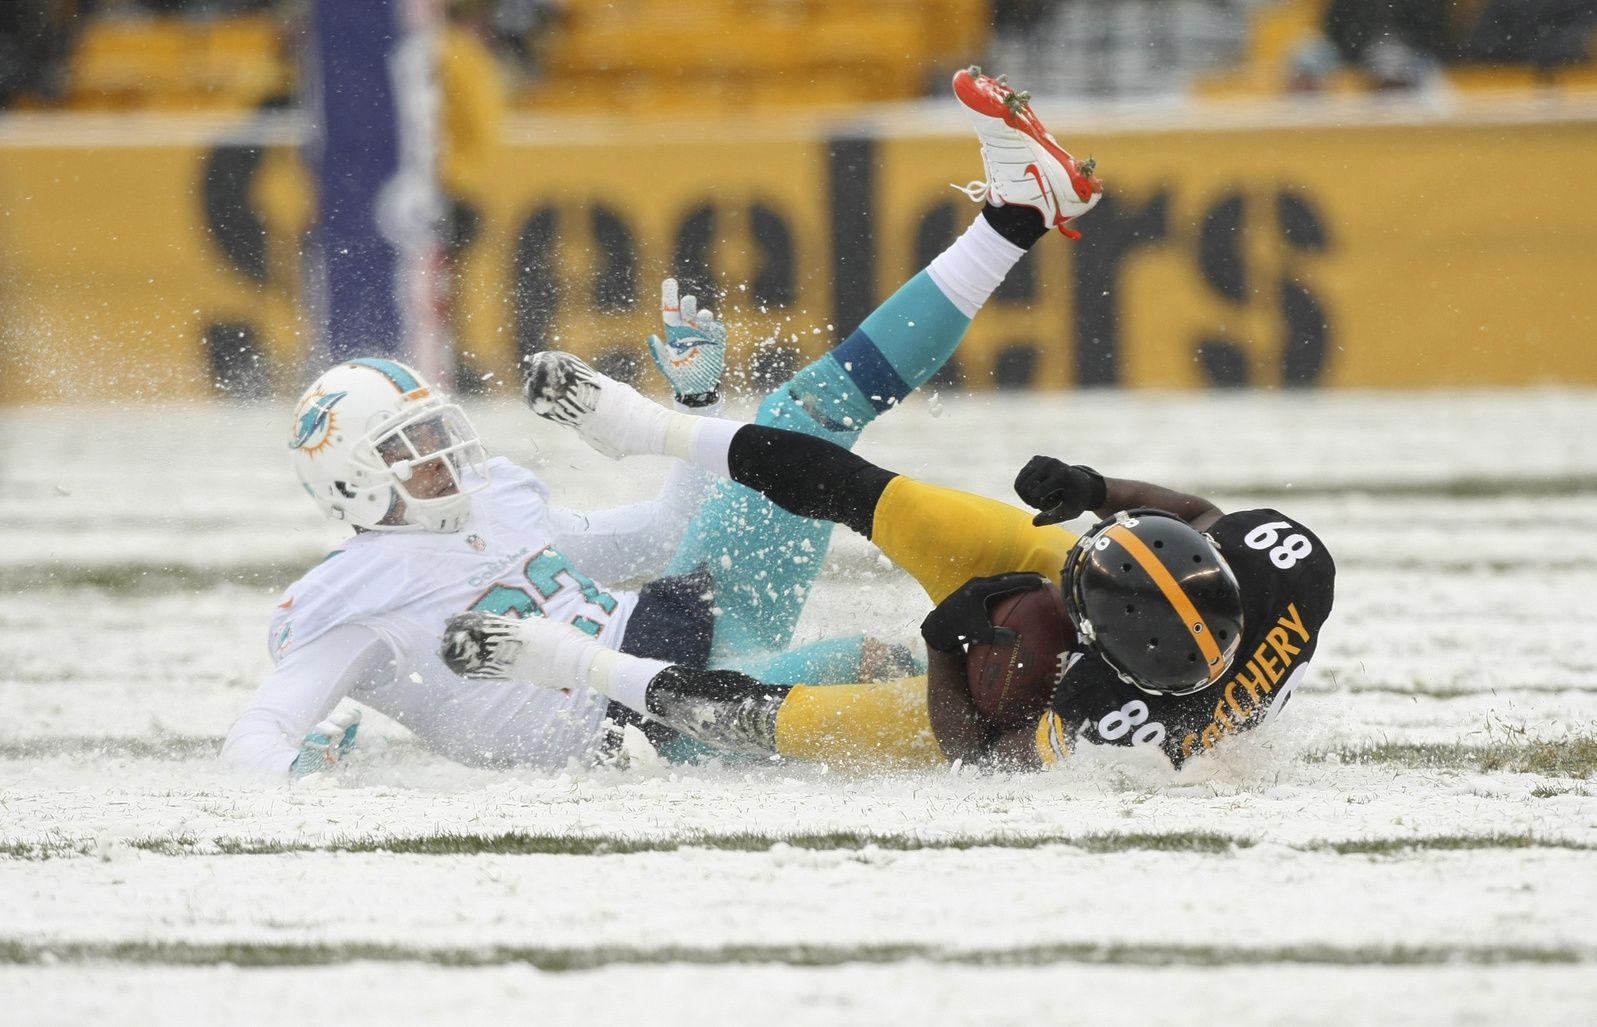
{"x": 1401, "y": 255}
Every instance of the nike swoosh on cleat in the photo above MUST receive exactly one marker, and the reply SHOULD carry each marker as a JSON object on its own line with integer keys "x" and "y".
{"x": 1042, "y": 184}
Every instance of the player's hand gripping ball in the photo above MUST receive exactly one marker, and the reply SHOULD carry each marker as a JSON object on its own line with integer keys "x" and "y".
{"x": 962, "y": 617}
{"x": 1013, "y": 681}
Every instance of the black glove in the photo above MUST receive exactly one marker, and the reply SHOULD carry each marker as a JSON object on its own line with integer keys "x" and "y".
{"x": 962, "y": 617}
{"x": 1061, "y": 491}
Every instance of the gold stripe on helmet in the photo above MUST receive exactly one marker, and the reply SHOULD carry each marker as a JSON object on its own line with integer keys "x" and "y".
{"x": 1173, "y": 593}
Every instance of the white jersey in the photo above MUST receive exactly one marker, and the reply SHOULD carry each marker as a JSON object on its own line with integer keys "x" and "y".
{"x": 366, "y": 623}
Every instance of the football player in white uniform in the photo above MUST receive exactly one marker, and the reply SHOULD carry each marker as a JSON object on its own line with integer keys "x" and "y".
{"x": 441, "y": 529}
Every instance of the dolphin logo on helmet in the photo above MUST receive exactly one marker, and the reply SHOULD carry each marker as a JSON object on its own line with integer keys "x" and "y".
{"x": 315, "y": 422}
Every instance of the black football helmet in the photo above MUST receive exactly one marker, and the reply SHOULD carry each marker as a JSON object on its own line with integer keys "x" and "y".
{"x": 1156, "y": 600}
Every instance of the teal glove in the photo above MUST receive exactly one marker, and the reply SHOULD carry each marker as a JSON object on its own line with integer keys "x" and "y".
{"x": 693, "y": 354}
{"x": 327, "y": 743}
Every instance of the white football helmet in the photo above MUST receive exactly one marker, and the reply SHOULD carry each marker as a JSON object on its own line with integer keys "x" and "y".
{"x": 378, "y": 448}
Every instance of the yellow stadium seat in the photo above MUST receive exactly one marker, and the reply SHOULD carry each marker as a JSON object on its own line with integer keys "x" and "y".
{"x": 175, "y": 63}
{"x": 664, "y": 55}
{"x": 123, "y": 63}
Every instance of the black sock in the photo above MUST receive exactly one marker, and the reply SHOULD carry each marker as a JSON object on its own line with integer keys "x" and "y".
{"x": 1022, "y": 226}
{"x": 808, "y": 476}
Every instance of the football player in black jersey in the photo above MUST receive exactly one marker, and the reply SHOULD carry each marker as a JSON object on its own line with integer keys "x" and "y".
{"x": 1190, "y": 625}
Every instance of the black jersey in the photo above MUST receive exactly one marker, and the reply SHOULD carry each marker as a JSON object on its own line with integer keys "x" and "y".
{"x": 1286, "y": 578}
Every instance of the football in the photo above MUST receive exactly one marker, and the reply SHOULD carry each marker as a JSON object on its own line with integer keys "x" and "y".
{"x": 1012, "y": 684}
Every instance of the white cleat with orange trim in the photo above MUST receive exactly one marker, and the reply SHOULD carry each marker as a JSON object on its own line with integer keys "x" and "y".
{"x": 1025, "y": 164}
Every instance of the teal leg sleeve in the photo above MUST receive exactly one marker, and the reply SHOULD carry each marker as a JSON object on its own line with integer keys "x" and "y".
{"x": 827, "y": 662}
{"x": 831, "y": 661}
{"x": 915, "y": 332}
{"x": 764, "y": 559}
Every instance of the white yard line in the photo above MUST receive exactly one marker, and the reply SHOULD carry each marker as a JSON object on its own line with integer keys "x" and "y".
{"x": 988, "y": 900}
{"x": 909, "y": 993}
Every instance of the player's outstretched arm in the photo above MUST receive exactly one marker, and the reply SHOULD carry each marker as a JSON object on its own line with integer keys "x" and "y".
{"x": 259, "y": 744}
{"x": 638, "y": 539}
{"x": 869, "y": 724}
{"x": 804, "y": 475}
{"x": 725, "y": 709}
{"x": 635, "y": 540}
{"x": 291, "y": 726}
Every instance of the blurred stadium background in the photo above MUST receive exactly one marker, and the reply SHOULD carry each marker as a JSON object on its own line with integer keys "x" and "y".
{"x": 208, "y": 197}
{"x": 1359, "y": 236}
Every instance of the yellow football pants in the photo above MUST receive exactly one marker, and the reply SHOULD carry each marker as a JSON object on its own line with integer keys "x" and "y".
{"x": 943, "y": 538}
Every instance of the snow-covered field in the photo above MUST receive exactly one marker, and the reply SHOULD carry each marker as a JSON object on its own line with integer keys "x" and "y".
{"x": 1416, "y": 843}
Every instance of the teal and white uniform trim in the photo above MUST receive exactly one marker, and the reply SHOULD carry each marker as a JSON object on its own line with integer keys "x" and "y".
{"x": 396, "y": 372}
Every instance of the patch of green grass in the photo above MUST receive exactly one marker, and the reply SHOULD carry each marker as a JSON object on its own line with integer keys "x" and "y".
{"x": 1549, "y": 792}
{"x": 40, "y": 851}
{"x": 565, "y": 959}
{"x": 1568, "y": 757}
{"x": 138, "y": 579}
{"x": 1450, "y": 843}
{"x": 61, "y": 847}
{"x": 178, "y": 845}
{"x": 175, "y": 748}
{"x": 1175, "y": 841}
{"x": 517, "y": 843}
{"x": 1456, "y": 488}
{"x": 520, "y": 843}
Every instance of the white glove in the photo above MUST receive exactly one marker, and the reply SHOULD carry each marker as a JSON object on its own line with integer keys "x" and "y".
{"x": 693, "y": 354}
{"x": 327, "y": 743}
{"x": 480, "y": 645}
{"x": 534, "y": 650}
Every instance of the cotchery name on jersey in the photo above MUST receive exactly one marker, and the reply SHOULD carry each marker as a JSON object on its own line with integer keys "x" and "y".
{"x": 365, "y": 623}
{"x": 1287, "y": 580}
